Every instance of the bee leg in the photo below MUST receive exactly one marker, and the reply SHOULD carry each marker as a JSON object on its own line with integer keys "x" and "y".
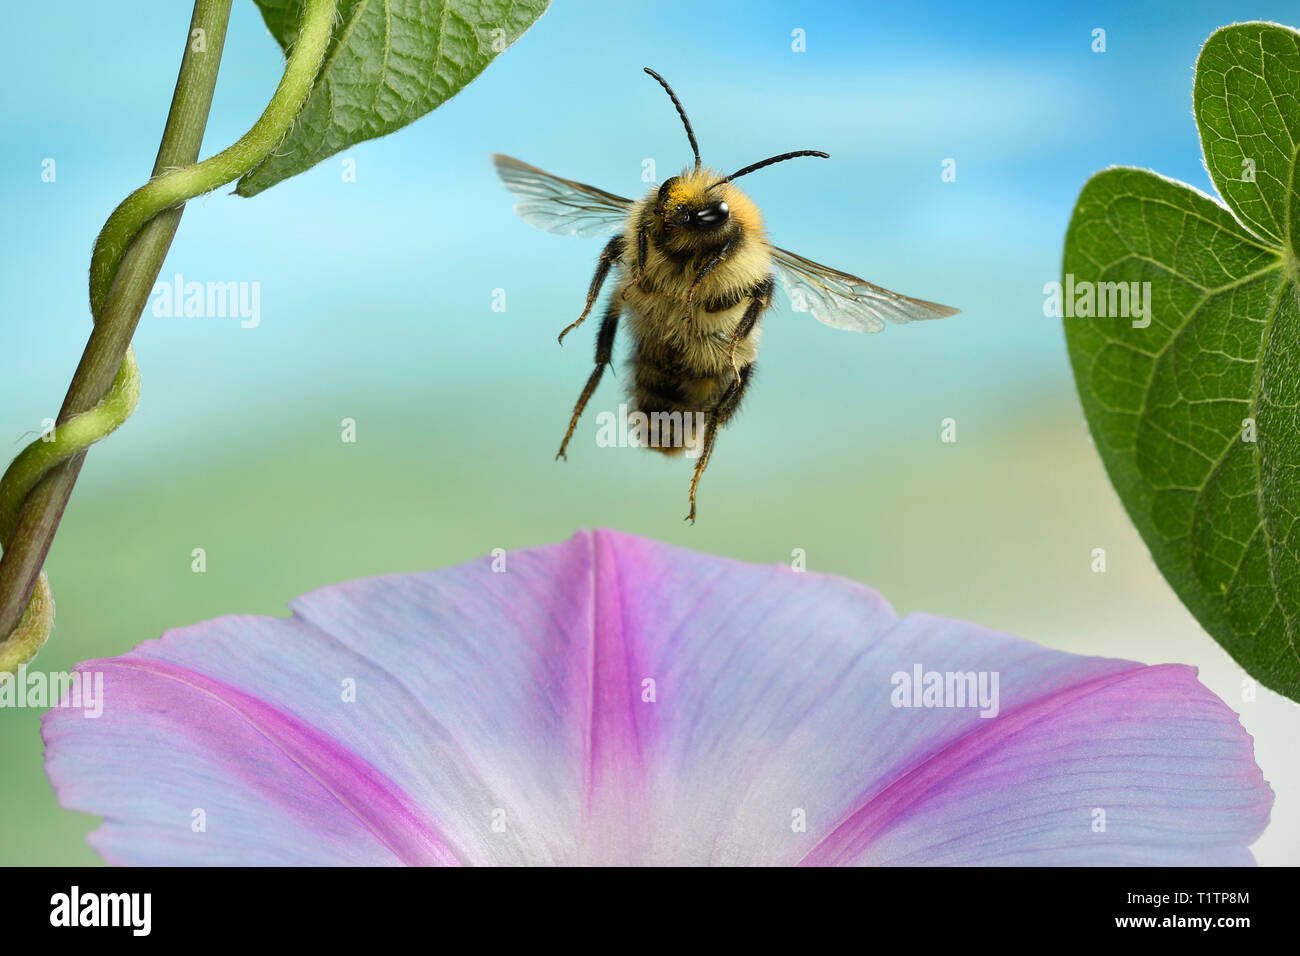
{"x": 604, "y": 353}
{"x": 709, "y": 266}
{"x": 700, "y": 466}
{"x": 642, "y": 252}
{"x": 760, "y": 297}
{"x": 612, "y": 253}
{"x": 714, "y": 420}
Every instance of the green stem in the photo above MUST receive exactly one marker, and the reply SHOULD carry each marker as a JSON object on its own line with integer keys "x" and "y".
{"x": 126, "y": 260}
{"x": 178, "y": 185}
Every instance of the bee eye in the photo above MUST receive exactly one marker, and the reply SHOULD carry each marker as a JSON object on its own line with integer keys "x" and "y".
{"x": 710, "y": 216}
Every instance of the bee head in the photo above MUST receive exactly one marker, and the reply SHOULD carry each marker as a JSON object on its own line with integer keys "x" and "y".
{"x": 702, "y": 204}
{"x": 685, "y": 202}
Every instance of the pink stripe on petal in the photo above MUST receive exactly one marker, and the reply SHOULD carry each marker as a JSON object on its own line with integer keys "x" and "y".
{"x": 954, "y": 789}
{"x": 614, "y": 748}
{"x": 365, "y": 793}
{"x": 856, "y": 833}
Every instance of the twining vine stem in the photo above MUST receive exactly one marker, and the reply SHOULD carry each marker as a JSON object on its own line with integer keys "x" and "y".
{"x": 127, "y": 258}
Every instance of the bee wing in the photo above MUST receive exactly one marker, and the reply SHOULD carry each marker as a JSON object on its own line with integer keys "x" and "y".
{"x": 561, "y": 205}
{"x": 846, "y": 302}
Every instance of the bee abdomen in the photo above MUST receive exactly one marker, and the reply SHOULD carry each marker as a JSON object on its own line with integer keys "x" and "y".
{"x": 666, "y": 379}
{"x": 674, "y": 400}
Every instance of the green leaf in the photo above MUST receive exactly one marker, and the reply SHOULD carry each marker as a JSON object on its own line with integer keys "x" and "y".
{"x": 1195, "y": 405}
{"x": 389, "y": 62}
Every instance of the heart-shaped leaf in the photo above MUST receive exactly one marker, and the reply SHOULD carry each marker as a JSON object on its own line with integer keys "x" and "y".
{"x": 1183, "y": 327}
{"x": 388, "y": 63}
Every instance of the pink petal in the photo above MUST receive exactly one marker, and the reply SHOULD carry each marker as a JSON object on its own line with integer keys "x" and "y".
{"x": 505, "y": 718}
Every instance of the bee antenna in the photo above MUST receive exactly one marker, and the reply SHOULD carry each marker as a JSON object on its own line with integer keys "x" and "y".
{"x": 769, "y": 161}
{"x": 681, "y": 111}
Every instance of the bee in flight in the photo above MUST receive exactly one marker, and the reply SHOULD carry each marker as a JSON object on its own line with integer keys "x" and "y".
{"x": 695, "y": 274}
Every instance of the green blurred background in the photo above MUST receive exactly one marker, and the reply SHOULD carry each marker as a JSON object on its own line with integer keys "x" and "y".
{"x": 376, "y": 306}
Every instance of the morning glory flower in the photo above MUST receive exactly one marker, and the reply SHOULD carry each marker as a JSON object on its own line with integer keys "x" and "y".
{"x": 615, "y": 700}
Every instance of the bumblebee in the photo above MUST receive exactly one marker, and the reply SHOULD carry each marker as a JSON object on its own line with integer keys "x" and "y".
{"x": 696, "y": 273}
